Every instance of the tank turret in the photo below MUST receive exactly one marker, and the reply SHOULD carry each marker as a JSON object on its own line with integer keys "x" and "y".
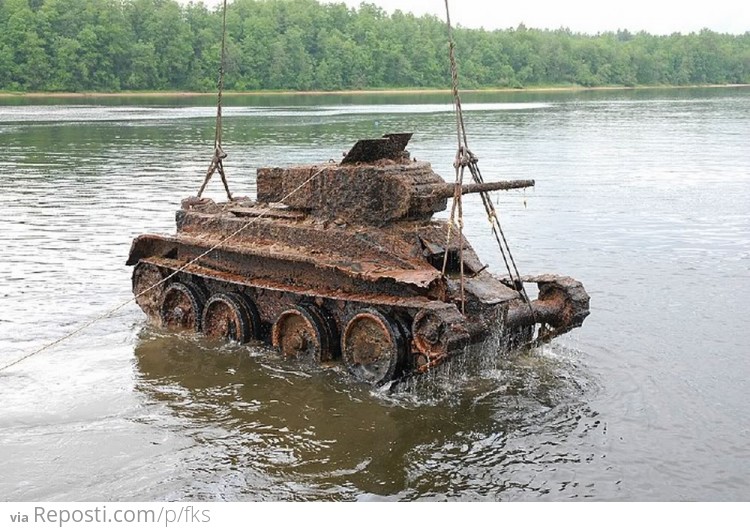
{"x": 377, "y": 183}
{"x": 344, "y": 261}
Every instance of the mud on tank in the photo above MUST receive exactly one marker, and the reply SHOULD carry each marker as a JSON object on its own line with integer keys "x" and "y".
{"x": 343, "y": 261}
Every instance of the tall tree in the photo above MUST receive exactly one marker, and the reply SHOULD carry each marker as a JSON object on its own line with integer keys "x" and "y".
{"x": 109, "y": 45}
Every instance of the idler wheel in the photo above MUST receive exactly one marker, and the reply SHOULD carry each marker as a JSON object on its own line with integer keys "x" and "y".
{"x": 231, "y": 316}
{"x": 181, "y": 307}
{"x": 373, "y": 346}
{"x": 304, "y": 332}
{"x": 148, "y": 288}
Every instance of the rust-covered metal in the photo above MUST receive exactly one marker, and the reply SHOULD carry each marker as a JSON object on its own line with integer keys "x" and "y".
{"x": 389, "y": 147}
{"x": 343, "y": 261}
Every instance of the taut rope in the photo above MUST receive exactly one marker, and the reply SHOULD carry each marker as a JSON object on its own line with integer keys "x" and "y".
{"x": 465, "y": 158}
{"x": 120, "y": 306}
{"x": 217, "y": 162}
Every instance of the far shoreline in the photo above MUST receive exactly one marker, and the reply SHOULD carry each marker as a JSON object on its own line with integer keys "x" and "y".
{"x": 370, "y": 91}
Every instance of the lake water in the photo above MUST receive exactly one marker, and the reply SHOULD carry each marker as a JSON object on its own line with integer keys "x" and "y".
{"x": 644, "y": 196}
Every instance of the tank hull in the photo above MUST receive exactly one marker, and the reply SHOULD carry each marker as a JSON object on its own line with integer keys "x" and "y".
{"x": 343, "y": 261}
{"x": 372, "y": 296}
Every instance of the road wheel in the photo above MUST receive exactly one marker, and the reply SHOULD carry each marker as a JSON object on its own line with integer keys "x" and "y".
{"x": 181, "y": 307}
{"x": 304, "y": 332}
{"x": 373, "y": 347}
{"x": 231, "y": 316}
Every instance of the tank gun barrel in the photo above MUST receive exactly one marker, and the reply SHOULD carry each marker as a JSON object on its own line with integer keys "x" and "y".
{"x": 447, "y": 190}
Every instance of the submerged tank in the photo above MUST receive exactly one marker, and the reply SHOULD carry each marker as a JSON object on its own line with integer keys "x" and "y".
{"x": 344, "y": 261}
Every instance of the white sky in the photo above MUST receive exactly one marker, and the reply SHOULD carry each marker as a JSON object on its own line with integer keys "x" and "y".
{"x": 587, "y": 16}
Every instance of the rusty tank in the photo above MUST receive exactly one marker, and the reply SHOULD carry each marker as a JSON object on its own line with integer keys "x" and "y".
{"x": 343, "y": 261}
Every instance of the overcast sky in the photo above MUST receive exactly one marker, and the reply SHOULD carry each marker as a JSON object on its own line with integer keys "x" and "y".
{"x": 587, "y": 16}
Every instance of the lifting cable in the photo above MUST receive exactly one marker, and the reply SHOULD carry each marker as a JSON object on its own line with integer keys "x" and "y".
{"x": 465, "y": 158}
{"x": 457, "y": 207}
{"x": 217, "y": 162}
{"x": 182, "y": 268}
{"x": 216, "y": 166}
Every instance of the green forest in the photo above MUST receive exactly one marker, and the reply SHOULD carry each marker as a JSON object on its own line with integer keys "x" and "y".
{"x": 117, "y": 45}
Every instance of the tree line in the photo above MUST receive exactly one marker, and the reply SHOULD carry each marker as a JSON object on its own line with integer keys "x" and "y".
{"x": 114, "y": 45}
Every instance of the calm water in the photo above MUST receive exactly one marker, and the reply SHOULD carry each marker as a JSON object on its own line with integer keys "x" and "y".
{"x": 644, "y": 196}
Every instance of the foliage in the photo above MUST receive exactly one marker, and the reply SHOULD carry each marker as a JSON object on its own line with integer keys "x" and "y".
{"x": 113, "y": 45}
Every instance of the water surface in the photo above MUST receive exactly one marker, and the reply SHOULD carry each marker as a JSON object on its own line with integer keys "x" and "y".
{"x": 642, "y": 195}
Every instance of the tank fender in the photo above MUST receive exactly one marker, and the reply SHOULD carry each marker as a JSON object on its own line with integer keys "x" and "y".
{"x": 151, "y": 246}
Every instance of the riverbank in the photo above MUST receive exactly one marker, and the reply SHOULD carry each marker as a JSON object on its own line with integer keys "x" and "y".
{"x": 384, "y": 91}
